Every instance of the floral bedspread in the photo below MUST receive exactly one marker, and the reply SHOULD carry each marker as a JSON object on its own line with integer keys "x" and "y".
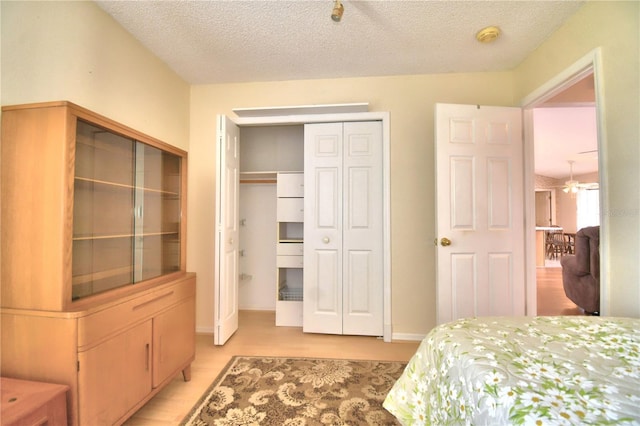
{"x": 523, "y": 370}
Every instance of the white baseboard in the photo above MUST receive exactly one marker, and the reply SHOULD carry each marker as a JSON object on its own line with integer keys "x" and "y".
{"x": 204, "y": 330}
{"x": 408, "y": 336}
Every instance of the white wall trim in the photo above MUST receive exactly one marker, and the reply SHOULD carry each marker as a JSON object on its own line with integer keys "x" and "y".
{"x": 205, "y": 330}
{"x": 302, "y": 109}
{"x": 575, "y": 72}
{"x": 408, "y": 336}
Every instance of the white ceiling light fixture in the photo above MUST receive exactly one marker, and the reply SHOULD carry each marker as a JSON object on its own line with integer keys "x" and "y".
{"x": 573, "y": 186}
{"x": 338, "y": 10}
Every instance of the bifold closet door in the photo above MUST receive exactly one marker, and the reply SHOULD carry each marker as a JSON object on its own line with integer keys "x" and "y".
{"x": 343, "y": 235}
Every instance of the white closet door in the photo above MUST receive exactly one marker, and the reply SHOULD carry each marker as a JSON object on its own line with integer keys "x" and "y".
{"x": 362, "y": 280}
{"x": 322, "y": 300}
{"x": 227, "y": 230}
{"x": 343, "y": 236}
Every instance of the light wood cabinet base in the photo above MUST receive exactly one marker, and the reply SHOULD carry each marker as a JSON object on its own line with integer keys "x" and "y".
{"x": 114, "y": 357}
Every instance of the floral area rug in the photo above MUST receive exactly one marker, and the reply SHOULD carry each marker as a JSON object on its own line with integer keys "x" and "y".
{"x": 297, "y": 391}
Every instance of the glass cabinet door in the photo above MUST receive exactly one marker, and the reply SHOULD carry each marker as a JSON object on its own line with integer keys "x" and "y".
{"x": 126, "y": 215}
{"x": 102, "y": 206}
{"x": 157, "y": 215}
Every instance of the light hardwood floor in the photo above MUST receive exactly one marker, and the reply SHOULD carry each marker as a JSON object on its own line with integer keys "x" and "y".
{"x": 551, "y": 297}
{"x": 257, "y": 335}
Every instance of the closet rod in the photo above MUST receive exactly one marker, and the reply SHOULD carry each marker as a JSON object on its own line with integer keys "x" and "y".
{"x": 258, "y": 181}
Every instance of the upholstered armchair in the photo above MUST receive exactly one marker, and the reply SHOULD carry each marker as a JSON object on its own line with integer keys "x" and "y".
{"x": 581, "y": 272}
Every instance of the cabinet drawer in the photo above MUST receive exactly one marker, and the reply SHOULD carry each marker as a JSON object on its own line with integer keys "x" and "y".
{"x": 99, "y": 325}
{"x": 290, "y": 249}
{"x": 289, "y": 261}
{"x": 290, "y": 210}
{"x": 290, "y": 185}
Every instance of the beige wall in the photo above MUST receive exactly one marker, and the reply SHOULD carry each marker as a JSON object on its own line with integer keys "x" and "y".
{"x": 410, "y": 101}
{"x": 57, "y": 50}
{"x": 614, "y": 27}
{"x": 73, "y": 51}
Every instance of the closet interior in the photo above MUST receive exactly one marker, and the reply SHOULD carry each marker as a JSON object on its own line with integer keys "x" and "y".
{"x": 271, "y": 220}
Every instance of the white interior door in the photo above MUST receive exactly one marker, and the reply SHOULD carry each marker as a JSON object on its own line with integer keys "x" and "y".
{"x": 322, "y": 283}
{"x": 362, "y": 238}
{"x": 343, "y": 231}
{"x": 480, "y": 211}
{"x": 227, "y": 230}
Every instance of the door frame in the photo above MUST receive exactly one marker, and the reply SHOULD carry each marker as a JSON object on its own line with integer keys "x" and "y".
{"x": 551, "y": 205}
{"x": 298, "y": 116}
{"x": 591, "y": 63}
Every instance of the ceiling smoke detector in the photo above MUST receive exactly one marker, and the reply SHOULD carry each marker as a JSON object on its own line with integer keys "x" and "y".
{"x": 488, "y": 34}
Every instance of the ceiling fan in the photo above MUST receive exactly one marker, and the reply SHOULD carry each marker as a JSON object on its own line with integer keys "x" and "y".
{"x": 573, "y": 186}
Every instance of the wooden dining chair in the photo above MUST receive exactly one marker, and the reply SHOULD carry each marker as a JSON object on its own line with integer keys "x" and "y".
{"x": 555, "y": 244}
{"x": 569, "y": 243}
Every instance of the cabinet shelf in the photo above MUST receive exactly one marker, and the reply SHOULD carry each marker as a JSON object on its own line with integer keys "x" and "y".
{"x": 116, "y": 236}
{"x": 125, "y": 186}
{"x": 95, "y": 276}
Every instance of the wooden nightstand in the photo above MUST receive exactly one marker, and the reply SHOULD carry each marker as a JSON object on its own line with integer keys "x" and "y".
{"x": 32, "y": 403}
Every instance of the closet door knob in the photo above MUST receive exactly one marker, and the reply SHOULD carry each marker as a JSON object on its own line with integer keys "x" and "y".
{"x": 326, "y": 240}
{"x": 445, "y": 242}
{"x": 230, "y": 240}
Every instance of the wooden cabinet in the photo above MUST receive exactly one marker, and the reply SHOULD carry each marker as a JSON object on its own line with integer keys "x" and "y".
{"x": 95, "y": 294}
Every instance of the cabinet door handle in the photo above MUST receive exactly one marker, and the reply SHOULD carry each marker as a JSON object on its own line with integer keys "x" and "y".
{"x": 147, "y": 353}
{"x": 155, "y": 299}
{"x": 326, "y": 240}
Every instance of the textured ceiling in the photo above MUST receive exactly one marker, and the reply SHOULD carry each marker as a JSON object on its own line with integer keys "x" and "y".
{"x": 238, "y": 41}
{"x": 208, "y": 42}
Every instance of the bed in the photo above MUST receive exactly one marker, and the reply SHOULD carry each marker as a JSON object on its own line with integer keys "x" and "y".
{"x": 523, "y": 370}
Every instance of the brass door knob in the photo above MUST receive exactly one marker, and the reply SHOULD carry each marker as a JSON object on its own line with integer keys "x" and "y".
{"x": 445, "y": 242}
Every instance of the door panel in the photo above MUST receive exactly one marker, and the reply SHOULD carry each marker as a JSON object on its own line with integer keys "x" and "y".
{"x": 327, "y": 201}
{"x": 462, "y": 193}
{"x": 479, "y": 174}
{"x": 227, "y": 236}
{"x": 501, "y": 291}
{"x": 499, "y": 193}
{"x": 358, "y": 300}
{"x": 328, "y": 273}
{"x": 464, "y": 282}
